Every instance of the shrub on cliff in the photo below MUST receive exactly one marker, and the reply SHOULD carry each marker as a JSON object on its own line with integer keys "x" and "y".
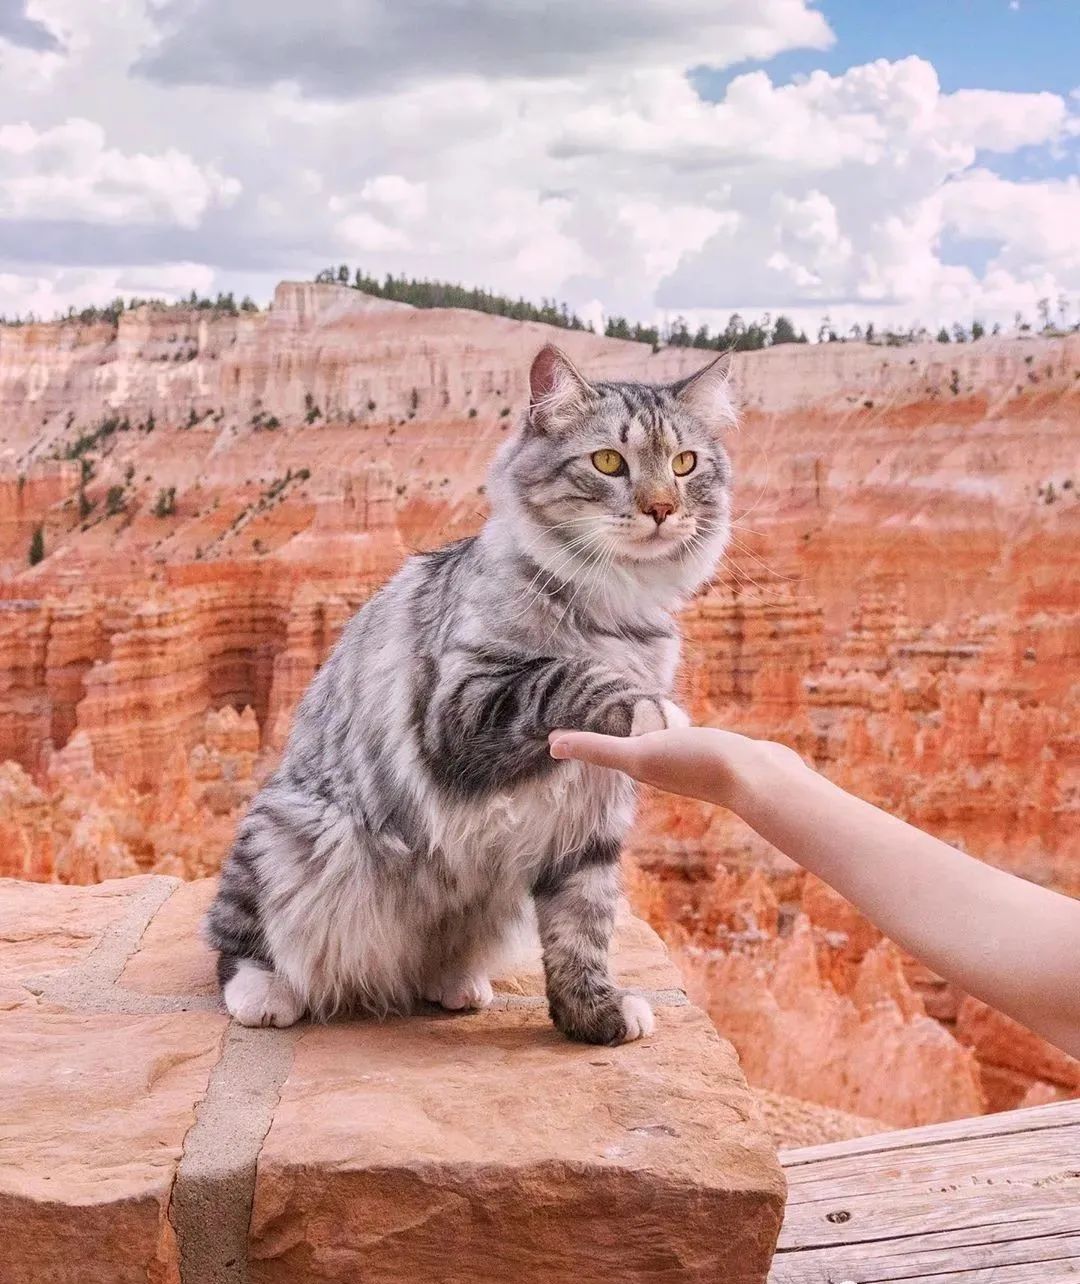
{"x": 444, "y": 294}
{"x": 165, "y": 504}
{"x": 114, "y": 500}
{"x": 37, "y": 546}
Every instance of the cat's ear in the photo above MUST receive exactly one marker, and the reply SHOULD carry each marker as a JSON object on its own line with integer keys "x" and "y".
{"x": 707, "y": 395}
{"x": 559, "y": 394}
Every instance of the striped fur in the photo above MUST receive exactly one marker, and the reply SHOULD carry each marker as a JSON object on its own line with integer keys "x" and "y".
{"x": 416, "y": 820}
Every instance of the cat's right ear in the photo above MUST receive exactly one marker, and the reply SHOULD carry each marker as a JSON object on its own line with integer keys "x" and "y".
{"x": 559, "y": 394}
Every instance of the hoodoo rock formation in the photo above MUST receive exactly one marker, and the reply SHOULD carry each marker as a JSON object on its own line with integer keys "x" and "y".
{"x": 217, "y": 494}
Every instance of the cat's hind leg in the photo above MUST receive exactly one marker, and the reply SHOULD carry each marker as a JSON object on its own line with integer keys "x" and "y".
{"x": 253, "y": 992}
{"x": 256, "y": 995}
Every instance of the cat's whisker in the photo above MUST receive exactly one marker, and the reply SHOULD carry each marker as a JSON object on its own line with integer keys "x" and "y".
{"x": 571, "y": 554}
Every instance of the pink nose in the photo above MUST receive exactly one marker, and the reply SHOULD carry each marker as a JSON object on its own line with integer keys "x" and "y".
{"x": 660, "y": 512}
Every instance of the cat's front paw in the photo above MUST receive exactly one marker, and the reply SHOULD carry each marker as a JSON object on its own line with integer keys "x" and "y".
{"x": 656, "y": 714}
{"x": 621, "y": 1018}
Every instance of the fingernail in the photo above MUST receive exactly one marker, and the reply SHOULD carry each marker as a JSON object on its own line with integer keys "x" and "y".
{"x": 558, "y": 749}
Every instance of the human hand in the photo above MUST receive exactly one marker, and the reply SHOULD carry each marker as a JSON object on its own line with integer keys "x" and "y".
{"x": 698, "y": 762}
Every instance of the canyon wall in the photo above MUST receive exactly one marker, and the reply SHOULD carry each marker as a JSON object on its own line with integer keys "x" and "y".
{"x": 217, "y": 494}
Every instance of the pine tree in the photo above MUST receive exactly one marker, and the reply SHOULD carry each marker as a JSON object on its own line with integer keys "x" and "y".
{"x": 37, "y": 546}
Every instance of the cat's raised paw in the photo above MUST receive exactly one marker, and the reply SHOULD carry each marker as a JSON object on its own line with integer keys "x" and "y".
{"x": 638, "y": 1016}
{"x": 258, "y": 997}
{"x": 458, "y": 993}
{"x": 656, "y": 715}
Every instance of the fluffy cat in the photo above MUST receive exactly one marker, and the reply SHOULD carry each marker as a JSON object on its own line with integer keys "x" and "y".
{"x": 416, "y": 811}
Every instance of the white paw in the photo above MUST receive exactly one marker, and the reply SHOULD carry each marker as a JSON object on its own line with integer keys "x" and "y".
{"x": 656, "y": 715}
{"x": 637, "y": 1014}
{"x": 257, "y": 997}
{"x": 457, "y": 992}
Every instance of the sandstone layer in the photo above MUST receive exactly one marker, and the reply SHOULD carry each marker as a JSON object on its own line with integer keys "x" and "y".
{"x": 217, "y": 494}
{"x": 437, "y": 1148}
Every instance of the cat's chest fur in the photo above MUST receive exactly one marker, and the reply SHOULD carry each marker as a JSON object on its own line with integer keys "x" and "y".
{"x": 512, "y": 833}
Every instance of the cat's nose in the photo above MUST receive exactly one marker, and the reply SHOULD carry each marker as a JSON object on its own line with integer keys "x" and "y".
{"x": 659, "y": 512}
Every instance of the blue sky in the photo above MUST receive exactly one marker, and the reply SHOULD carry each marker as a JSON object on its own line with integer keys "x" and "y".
{"x": 974, "y": 44}
{"x": 1023, "y": 46}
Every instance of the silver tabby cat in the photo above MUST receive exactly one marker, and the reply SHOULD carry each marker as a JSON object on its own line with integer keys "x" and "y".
{"x": 417, "y": 812}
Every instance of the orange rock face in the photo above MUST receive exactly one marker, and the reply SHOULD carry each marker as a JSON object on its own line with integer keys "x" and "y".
{"x": 900, "y": 603}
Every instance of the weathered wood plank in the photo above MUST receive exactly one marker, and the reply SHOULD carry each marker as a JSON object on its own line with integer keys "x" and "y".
{"x": 1058, "y": 1114}
{"x": 995, "y": 1202}
{"x": 1039, "y": 1261}
{"x": 983, "y": 1161}
{"x": 885, "y": 1215}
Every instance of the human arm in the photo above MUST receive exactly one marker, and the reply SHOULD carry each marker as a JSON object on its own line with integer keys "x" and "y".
{"x": 1007, "y": 941}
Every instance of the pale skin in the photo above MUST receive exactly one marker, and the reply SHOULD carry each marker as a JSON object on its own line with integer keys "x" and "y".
{"x": 1009, "y": 942}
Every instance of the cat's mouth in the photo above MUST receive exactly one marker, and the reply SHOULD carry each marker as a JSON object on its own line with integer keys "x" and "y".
{"x": 663, "y": 541}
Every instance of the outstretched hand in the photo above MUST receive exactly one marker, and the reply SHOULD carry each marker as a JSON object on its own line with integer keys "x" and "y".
{"x": 699, "y": 762}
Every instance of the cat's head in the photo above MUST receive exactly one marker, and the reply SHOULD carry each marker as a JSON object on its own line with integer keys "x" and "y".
{"x": 630, "y": 475}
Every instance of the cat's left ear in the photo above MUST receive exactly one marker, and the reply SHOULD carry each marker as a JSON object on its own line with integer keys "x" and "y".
{"x": 707, "y": 394}
{"x": 559, "y": 394}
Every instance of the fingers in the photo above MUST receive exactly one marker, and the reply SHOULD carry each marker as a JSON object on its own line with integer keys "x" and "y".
{"x": 586, "y": 746}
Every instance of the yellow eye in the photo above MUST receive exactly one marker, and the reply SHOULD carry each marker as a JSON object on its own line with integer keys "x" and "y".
{"x": 609, "y": 462}
{"x": 684, "y": 463}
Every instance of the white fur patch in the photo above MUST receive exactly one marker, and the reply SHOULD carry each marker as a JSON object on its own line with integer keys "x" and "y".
{"x": 637, "y": 1014}
{"x": 652, "y": 716}
{"x": 457, "y": 993}
{"x": 257, "y": 997}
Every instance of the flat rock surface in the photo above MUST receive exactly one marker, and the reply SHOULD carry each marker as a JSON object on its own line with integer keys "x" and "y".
{"x": 93, "y": 1116}
{"x": 46, "y": 927}
{"x": 144, "y": 1139}
{"x": 172, "y": 957}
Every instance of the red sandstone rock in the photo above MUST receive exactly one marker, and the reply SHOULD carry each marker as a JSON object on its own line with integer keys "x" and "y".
{"x": 438, "y": 1148}
{"x": 1019, "y": 1068}
{"x": 416, "y": 1147}
{"x": 91, "y": 1139}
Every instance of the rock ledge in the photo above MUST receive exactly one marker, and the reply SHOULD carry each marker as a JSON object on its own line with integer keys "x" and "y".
{"x": 145, "y": 1139}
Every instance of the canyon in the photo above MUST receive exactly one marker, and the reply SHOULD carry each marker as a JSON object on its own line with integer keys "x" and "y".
{"x": 216, "y": 494}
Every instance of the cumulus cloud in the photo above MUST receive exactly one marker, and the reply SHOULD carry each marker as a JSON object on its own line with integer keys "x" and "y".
{"x": 68, "y": 172}
{"x": 45, "y": 294}
{"x": 846, "y": 184}
{"x": 351, "y": 48}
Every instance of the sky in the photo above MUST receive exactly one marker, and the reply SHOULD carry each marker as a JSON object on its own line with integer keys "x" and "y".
{"x": 902, "y": 164}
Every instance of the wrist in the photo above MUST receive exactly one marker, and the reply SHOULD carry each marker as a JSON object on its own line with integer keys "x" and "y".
{"x": 758, "y": 776}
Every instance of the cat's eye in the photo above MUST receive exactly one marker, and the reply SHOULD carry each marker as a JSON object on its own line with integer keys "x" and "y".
{"x": 609, "y": 462}
{"x": 683, "y": 463}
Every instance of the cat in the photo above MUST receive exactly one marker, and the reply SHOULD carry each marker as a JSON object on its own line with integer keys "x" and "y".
{"x": 417, "y": 812}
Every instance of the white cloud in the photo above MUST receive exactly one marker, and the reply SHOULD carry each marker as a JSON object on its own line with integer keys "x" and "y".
{"x": 46, "y": 294}
{"x": 1002, "y": 122}
{"x": 1035, "y": 223}
{"x": 354, "y": 48}
{"x": 581, "y": 164}
{"x": 67, "y": 172}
